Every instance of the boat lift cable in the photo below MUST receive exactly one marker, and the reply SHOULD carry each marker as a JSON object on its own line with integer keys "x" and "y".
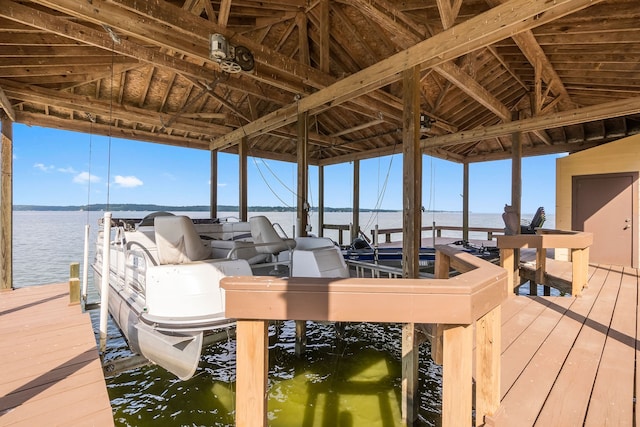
{"x": 268, "y": 185}
{"x": 381, "y": 192}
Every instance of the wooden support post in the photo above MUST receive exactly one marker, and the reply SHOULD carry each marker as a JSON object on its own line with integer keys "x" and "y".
{"x": 301, "y": 337}
{"x": 457, "y": 375}
{"x": 321, "y": 201}
{"x": 411, "y": 231}
{"x": 6, "y": 205}
{"x": 465, "y": 202}
{"x": 356, "y": 200}
{"x": 541, "y": 267}
{"x": 579, "y": 267}
{"x": 440, "y": 271}
{"x": 488, "y": 372}
{"x": 410, "y": 403}
{"x": 213, "y": 190}
{"x": 507, "y": 262}
{"x": 252, "y": 363}
{"x": 516, "y": 172}
{"x": 74, "y": 283}
{"x": 412, "y": 174}
{"x": 303, "y": 175}
{"x": 242, "y": 153}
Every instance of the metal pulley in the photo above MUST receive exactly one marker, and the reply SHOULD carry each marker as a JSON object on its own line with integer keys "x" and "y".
{"x": 232, "y": 59}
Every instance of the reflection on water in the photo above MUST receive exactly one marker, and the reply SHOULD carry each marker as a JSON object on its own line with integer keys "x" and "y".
{"x": 349, "y": 379}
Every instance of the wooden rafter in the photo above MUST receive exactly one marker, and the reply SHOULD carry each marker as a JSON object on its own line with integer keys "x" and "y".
{"x": 479, "y": 31}
{"x": 529, "y": 46}
{"x": 6, "y": 105}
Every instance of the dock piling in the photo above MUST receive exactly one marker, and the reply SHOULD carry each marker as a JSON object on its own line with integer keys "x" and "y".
{"x": 74, "y": 283}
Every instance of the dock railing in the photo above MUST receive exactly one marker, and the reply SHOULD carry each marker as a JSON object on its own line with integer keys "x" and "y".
{"x": 577, "y": 242}
{"x": 436, "y": 231}
{"x": 457, "y": 303}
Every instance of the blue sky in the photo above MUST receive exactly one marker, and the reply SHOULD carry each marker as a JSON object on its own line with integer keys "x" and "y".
{"x": 54, "y": 167}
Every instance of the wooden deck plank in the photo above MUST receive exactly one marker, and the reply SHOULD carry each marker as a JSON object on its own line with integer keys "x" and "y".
{"x": 50, "y": 371}
{"x": 529, "y": 393}
{"x": 518, "y": 355}
{"x": 613, "y": 393}
{"x": 516, "y": 325}
{"x": 569, "y": 396}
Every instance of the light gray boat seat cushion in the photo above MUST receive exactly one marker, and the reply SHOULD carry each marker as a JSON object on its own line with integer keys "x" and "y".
{"x": 178, "y": 241}
{"x": 266, "y": 237}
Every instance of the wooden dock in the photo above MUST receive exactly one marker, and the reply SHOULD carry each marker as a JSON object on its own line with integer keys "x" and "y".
{"x": 571, "y": 361}
{"x": 50, "y": 370}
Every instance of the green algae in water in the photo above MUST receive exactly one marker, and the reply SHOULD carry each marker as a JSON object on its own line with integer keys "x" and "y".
{"x": 346, "y": 379}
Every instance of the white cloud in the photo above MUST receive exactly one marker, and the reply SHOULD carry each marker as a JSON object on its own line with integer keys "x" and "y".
{"x": 169, "y": 176}
{"x": 43, "y": 167}
{"x": 220, "y": 184}
{"x": 67, "y": 170}
{"x": 84, "y": 177}
{"x": 127, "y": 181}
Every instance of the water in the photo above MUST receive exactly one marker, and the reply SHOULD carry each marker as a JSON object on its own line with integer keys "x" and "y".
{"x": 349, "y": 378}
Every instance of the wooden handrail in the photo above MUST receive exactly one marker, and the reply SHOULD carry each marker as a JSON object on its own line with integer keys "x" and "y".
{"x": 387, "y": 232}
{"x": 459, "y": 302}
{"x": 578, "y": 242}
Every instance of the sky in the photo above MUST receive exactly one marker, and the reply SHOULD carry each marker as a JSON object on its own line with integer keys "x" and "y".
{"x": 61, "y": 168}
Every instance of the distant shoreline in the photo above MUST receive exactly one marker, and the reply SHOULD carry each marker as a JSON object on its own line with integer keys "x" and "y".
{"x": 194, "y": 208}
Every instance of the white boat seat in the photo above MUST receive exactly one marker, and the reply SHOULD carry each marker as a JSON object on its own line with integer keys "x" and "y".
{"x": 266, "y": 238}
{"x": 177, "y": 240}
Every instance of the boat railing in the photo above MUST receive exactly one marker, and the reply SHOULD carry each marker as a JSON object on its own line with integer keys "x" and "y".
{"x": 368, "y": 269}
{"x": 460, "y": 304}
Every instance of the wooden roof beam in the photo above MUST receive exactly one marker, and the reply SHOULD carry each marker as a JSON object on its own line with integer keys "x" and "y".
{"x": 482, "y": 30}
{"x": 167, "y": 26}
{"x": 608, "y": 110}
{"x": 529, "y": 46}
{"x": 6, "y": 106}
{"x": 105, "y": 108}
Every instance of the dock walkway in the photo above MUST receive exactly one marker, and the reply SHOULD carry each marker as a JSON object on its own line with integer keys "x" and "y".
{"x": 572, "y": 361}
{"x": 50, "y": 370}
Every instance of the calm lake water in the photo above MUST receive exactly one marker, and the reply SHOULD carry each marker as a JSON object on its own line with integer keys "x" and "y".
{"x": 349, "y": 378}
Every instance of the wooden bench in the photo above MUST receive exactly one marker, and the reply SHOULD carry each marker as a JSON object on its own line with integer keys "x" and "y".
{"x": 577, "y": 242}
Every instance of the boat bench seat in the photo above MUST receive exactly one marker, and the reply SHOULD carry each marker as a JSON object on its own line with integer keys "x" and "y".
{"x": 178, "y": 241}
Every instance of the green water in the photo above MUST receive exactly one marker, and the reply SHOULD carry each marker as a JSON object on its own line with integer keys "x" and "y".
{"x": 348, "y": 379}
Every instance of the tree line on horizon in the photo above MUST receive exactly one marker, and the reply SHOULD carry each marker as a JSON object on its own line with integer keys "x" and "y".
{"x": 192, "y": 208}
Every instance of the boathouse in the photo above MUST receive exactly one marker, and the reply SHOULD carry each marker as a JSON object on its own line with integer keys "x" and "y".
{"x": 321, "y": 82}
